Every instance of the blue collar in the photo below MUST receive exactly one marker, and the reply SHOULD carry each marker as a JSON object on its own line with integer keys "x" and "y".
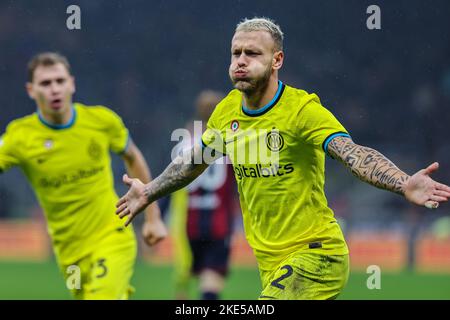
{"x": 267, "y": 107}
{"x": 59, "y": 126}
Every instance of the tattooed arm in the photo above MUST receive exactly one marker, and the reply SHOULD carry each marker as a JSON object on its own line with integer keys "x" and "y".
{"x": 372, "y": 167}
{"x": 182, "y": 171}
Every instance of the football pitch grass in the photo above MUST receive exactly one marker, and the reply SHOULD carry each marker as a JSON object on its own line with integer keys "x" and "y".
{"x": 31, "y": 280}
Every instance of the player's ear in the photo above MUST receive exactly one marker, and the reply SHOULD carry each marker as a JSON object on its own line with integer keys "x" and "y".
{"x": 29, "y": 88}
{"x": 278, "y": 58}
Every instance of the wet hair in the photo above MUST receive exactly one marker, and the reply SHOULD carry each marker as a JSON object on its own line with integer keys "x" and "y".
{"x": 263, "y": 24}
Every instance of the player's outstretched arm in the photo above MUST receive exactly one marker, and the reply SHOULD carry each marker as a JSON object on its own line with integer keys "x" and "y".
{"x": 153, "y": 228}
{"x": 180, "y": 172}
{"x": 374, "y": 168}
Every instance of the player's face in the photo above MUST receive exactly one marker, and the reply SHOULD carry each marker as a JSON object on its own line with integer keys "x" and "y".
{"x": 52, "y": 89}
{"x": 253, "y": 60}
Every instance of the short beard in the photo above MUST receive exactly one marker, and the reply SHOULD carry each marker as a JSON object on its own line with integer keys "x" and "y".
{"x": 252, "y": 86}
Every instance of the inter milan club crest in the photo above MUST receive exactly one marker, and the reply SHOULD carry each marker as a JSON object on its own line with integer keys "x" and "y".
{"x": 274, "y": 141}
{"x": 94, "y": 150}
{"x": 234, "y": 125}
{"x": 48, "y": 143}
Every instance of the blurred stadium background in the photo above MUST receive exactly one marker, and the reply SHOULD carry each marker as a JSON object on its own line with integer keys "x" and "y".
{"x": 147, "y": 60}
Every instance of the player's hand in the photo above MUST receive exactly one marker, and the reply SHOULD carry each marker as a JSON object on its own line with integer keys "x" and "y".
{"x": 153, "y": 231}
{"x": 424, "y": 191}
{"x": 134, "y": 201}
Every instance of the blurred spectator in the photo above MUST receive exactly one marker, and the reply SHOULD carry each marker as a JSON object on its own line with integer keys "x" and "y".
{"x": 203, "y": 217}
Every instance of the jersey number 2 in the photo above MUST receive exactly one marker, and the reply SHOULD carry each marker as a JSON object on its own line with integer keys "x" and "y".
{"x": 276, "y": 282}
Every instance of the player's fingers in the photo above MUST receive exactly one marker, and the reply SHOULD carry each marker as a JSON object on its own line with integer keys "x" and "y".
{"x": 158, "y": 239}
{"x": 121, "y": 201}
{"x": 431, "y": 204}
{"x": 443, "y": 187}
{"x": 130, "y": 218}
{"x": 127, "y": 180}
{"x": 438, "y": 198}
{"x": 161, "y": 236}
{"x": 121, "y": 208}
{"x": 431, "y": 168}
{"x": 124, "y": 213}
{"x": 163, "y": 233}
{"x": 151, "y": 241}
{"x": 442, "y": 193}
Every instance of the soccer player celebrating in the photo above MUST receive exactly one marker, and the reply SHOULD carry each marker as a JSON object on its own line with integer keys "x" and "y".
{"x": 63, "y": 149}
{"x": 299, "y": 246}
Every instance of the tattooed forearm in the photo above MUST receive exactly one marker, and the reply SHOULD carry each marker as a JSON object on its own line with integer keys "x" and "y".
{"x": 368, "y": 165}
{"x": 179, "y": 173}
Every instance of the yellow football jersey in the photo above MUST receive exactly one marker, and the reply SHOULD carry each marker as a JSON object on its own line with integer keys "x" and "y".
{"x": 278, "y": 156}
{"x": 69, "y": 168}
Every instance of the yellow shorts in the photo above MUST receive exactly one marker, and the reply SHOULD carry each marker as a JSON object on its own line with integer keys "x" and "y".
{"x": 105, "y": 274}
{"x": 306, "y": 276}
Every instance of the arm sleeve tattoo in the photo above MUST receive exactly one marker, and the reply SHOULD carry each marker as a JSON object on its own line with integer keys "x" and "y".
{"x": 178, "y": 174}
{"x": 368, "y": 165}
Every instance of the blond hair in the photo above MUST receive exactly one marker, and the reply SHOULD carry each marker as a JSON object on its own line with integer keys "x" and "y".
{"x": 263, "y": 24}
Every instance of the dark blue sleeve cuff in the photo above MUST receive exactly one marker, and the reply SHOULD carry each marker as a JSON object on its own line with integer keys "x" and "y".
{"x": 331, "y": 137}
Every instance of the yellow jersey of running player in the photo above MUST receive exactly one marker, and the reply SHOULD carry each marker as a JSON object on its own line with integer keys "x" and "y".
{"x": 278, "y": 156}
{"x": 69, "y": 169}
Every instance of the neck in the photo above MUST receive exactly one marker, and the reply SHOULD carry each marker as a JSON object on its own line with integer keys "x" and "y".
{"x": 262, "y": 96}
{"x": 58, "y": 119}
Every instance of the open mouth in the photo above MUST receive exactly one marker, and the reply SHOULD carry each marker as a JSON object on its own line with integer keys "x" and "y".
{"x": 56, "y": 103}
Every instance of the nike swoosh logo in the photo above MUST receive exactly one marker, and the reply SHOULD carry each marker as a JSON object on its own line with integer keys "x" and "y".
{"x": 234, "y": 139}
